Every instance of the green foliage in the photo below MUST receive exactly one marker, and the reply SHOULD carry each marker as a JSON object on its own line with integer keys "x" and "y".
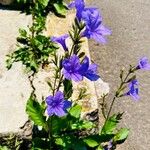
{"x": 82, "y": 125}
{"x": 3, "y": 148}
{"x": 38, "y": 144}
{"x": 91, "y": 142}
{"x": 43, "y": 3}
{"x": 36, "y": 112}
{"x": 121, "y": 135}
{"x": 44, "y": 6}
{"x": 60, "y": 8}
{"x": 111, "y": 124}
{"x": 75, "y": 111}
{"x": 100, "y": 148}
{"x": 70, "y": 143}
{"x": 58, "y": 125}
{"x": 33, "y": 52}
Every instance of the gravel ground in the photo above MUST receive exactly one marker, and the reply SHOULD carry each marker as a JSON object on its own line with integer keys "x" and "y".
{"x": 129, "y": 21}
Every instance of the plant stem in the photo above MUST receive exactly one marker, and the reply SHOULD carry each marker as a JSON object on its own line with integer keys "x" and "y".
{"x": 110, "y": 109}
{"x": 60, "y": 82}
{"x": 55, "y": 83}
{"x": 117, "y": 95}
{"x": 50, "y": 132}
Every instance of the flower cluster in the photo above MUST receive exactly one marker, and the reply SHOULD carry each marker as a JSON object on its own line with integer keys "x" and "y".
{"x": 57, "y": 105}
{"x": 94, "y": 29}
{"x": 143, "y": 64}
{"x": 74, "y": 70}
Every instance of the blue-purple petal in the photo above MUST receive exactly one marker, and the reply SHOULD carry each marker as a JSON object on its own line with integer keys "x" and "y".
{"x": 49, "y": 100}
{"x": 67, "y": 104}
{"x": 57, "y": 105}
{"x": 59, "y": 111}
{"x": 61, "y": 40}
{"x": 85, "y": 65}
{"x": 59, "y": 96}
{"x": 92, "y": 77}
{"x": 133, "y": 90}
{"x": 144, "y": 64}
{"x": 76, "y": 77}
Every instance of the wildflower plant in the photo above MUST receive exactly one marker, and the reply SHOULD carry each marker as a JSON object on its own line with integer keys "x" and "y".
{"x": 58, "y": 115}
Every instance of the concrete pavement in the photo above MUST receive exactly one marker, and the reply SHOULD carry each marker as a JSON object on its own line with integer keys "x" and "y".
{"x": 129, "y": 21}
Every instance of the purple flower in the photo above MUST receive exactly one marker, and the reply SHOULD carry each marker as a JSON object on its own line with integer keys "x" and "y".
{"x": 133, "y": 89}
{"x": 89, "y": 71}
{"x": 71, "y": 68}
{"x": 61, "y": 40}
{"x": 57, "y": 105}
{"x": 144, "y": 64}
{"x": 74, "y": 70}
{"x": 93, "y": 21}
{"x": 94, "y": 28}
{"x": 79, "y": 5}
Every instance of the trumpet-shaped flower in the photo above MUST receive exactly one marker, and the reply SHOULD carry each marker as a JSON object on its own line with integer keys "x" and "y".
{"x": 74, "y": 70}
{"x": 94, "y": 27}
{"x": 79, "y": 5}
{"x": 133, "y": 89}
{"x": 89, "y": 71}
{"x": 71, "y": 68}
{"x": 144, "y": 64}
{"x": 61, "y": 40}
{"x": 57, "y": 105}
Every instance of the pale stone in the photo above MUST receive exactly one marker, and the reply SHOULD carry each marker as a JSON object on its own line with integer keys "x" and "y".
{"x": 14, "y": 86}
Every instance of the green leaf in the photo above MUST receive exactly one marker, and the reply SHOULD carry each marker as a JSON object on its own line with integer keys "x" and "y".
{"x": 3, "y": 148}
{"x": 44, "y": 3}
{"x": 91, "y": 142}
{"x": 68, "y": 88}
{"x": 111, "y": 124}
{"x": 60, "y": 8}
{"x": 35, "y": 112}
{"x": 121, "y": 135}
{"x": 87, "y": 125}
{"x": 80, "y": 125}
{"x": 58, "y": 124}
{"x": 70, "y": 142}
{"x": 23, "y": 32}
{"x": 100, "y": 148}
{"x": 75, "y": 111}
